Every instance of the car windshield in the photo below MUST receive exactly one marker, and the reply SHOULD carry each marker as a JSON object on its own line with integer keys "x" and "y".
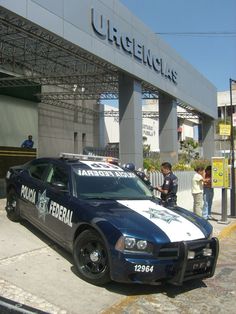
{"x": 109, "y": 184}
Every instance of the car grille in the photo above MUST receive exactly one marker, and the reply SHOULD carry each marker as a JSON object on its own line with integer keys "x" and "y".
{"x": 169, "y": 251}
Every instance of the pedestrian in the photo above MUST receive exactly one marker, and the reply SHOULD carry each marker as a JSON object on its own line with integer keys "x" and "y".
{"x": 28, "y": 143}
{"x": 169, "y": 187}
{"x": 208, "y": 194}
{"x": 197, "y": 190}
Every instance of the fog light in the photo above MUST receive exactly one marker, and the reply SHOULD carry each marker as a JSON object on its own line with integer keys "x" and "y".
{"x": 191, "y": 254}
{"x": 141, "y": 244}
{"x": 207, "y": 252}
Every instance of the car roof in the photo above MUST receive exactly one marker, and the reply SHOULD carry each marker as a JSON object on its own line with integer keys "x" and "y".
{"x": 70, "y": 158}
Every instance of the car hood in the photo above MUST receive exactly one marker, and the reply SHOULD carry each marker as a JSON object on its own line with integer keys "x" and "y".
{"x": 148, "y": 217}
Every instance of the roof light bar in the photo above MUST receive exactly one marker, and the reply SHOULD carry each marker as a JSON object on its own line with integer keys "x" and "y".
{"x": 89, "y": 157}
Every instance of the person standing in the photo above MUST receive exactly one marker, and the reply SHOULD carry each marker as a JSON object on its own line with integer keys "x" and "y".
{"x": 197, "y": 190}
{"x": 169, "y": 187}
{"x": 28, "y": 143}
{"x": 208, "y": 194}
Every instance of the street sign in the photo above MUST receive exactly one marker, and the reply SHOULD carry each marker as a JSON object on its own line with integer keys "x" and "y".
{"x": 225, "y": 129}
{"x": 220, "y": 172}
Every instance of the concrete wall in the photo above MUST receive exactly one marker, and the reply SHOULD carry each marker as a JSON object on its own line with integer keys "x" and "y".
{"x": 187, "y": 130}
{"x": 19, "y": 118}
{"x": 151, "y": 133}
{"x": 62, "y": 130}
{"x": 149, "y": 130}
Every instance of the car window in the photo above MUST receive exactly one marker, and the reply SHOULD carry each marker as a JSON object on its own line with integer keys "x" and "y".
{"x": 110, "y": 185}
{"x": 58, "y": 174}
{"x": 37, "y": 170}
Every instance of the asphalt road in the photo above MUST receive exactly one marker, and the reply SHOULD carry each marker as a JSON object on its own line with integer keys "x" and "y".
{"x": 36, "y": 272}
{"x": 214, "y": 295}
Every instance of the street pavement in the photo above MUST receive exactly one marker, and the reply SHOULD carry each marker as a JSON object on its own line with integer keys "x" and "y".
{"x": 214, "y": 295}
{"x": 37, "y": 273}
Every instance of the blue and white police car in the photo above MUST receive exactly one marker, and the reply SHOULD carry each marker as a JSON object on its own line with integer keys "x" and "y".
{"x": 110, "y": 221}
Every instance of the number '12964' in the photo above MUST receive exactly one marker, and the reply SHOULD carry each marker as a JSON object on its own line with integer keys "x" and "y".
{"x": 143, "y": 268}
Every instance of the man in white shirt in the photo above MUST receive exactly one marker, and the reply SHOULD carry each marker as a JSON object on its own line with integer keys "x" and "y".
{"x": 197, "y": 190}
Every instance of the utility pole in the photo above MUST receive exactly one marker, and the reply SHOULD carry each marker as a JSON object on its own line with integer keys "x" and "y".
{"x": 232, "y": 191}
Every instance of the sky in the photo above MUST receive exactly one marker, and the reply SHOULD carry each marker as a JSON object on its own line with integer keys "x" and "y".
{"x": 211, "y": 46}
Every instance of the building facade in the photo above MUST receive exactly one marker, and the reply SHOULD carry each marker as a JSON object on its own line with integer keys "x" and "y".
{"x": 187, "y": 126}
{"x": 72, "y": 54}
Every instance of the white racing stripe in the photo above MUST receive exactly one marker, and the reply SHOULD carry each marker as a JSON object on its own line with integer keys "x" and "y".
{"x": 176, "y": 227}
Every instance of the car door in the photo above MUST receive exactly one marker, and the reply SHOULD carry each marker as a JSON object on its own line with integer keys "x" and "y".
{"x": 58, "y": 219}
{"x": 32, "y": 183}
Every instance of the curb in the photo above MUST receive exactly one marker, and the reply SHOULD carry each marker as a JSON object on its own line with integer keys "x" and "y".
{"x": 118, "y": 307}
{"x": 227, "y": 231}
{"x": 8, "y": 306}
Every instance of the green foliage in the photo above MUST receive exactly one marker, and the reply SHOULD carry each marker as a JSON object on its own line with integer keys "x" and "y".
{"x": 200, "y": 163}
{"x": 146, "y": 148}
{"x": 189, "y": 144}
{"x": 183, "y": 158}
{"x": 151, "y": 164}
{"x": 154, "y": 164}
{"x": 189, "y": 151}
{"x": 181, "y": 167}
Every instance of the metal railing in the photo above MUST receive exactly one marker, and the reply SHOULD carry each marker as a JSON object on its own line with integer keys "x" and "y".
{"x": 184, "y": 179}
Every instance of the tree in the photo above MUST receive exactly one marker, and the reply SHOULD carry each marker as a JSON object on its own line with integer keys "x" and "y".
{"x": 189, "y": 148}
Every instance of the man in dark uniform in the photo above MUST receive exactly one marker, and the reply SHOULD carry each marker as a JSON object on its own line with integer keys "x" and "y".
{"x": 169, "y": 187}
{"x": 131, "y": 167}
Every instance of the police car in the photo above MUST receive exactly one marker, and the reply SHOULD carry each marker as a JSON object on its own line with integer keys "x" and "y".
{"x": 110, "y": 221}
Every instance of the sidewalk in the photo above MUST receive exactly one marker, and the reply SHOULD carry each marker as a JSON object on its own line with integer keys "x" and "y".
{"x": 220, "y": 229}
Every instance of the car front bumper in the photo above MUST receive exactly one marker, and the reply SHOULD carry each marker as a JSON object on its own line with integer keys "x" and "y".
{"x": 176, "y": 270}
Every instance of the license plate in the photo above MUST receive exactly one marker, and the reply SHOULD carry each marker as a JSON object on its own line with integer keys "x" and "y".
{"x": 201, "y": 265}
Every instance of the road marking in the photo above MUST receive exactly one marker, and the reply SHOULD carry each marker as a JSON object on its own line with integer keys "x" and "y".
{"x": 227, "y": 231}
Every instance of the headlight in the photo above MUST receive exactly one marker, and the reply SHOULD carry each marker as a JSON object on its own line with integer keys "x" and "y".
{"x": 191, "y": 254}
{"x": 134, "y": 245}
{"x": 129, "y": 243}
{"x": 141, "y": 244}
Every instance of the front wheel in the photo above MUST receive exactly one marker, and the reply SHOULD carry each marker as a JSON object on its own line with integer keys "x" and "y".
{"x": 12, "y": 207}
{"x": 91, "y": 258}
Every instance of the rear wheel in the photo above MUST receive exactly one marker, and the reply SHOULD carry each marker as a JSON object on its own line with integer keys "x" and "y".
{"x": 12, "y": 206}
{"x": 91, "y": 258}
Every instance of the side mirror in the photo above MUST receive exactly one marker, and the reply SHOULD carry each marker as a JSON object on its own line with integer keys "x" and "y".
{"x": 24, "y": 171}
{"x": 60, "y": 186}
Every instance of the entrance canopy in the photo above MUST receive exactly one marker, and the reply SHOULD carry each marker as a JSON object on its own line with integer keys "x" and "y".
{"x": 83, "y": 46}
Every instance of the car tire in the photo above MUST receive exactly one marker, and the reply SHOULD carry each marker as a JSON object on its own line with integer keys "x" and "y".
{"x": 12, "y": 206}
{"x": 91, "y": 258}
